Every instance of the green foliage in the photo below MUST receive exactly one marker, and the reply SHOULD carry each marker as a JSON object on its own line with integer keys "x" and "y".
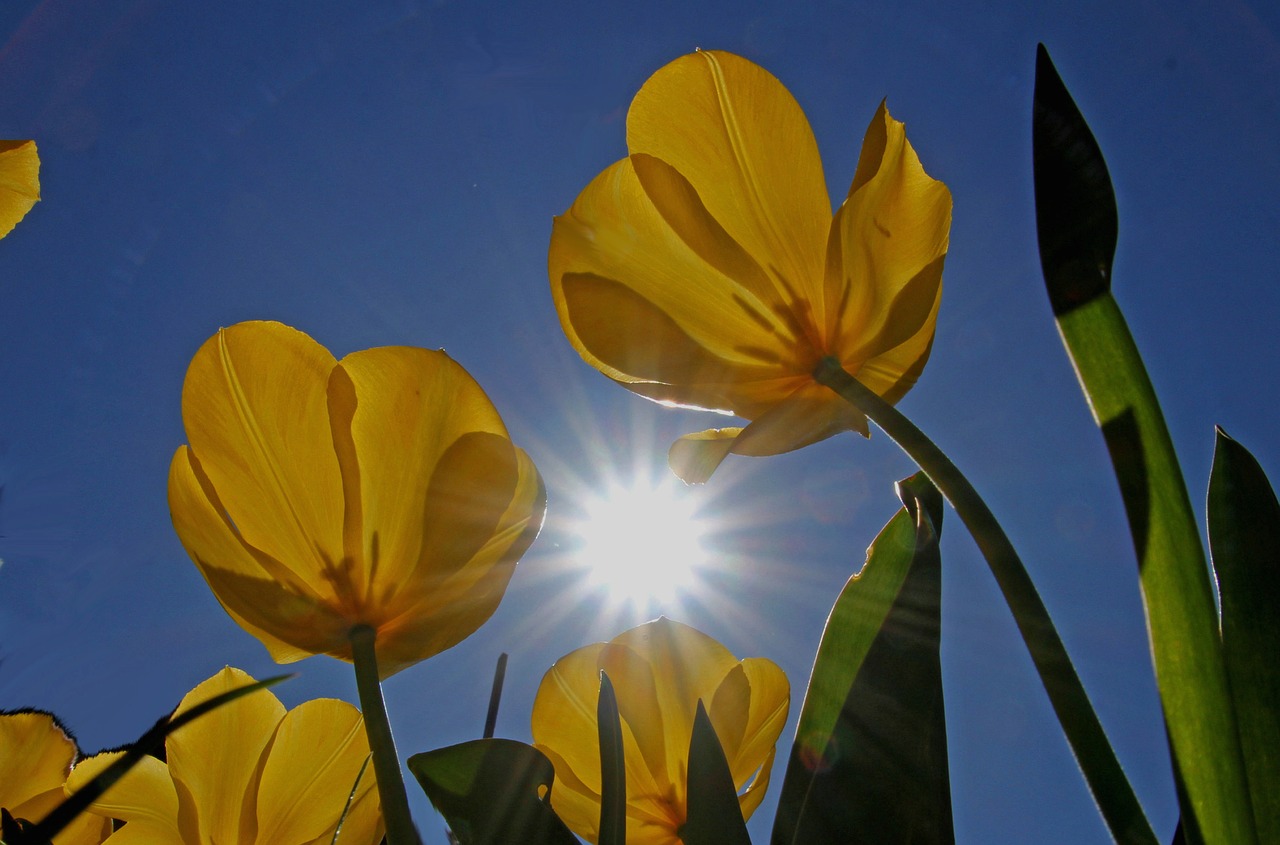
{"x": 492, "y": 792}
{"x": 1244, "y": 539}
{"x": 869, "y": 763}
{"x": 1077, "y": 227}
{"x": 714, "y": 814}
{"x": 613, "y": 769}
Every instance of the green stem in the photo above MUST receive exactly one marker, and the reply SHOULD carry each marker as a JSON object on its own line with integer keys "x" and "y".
{"x": 1102, "y": 772}
{"x": 386, "y": 765}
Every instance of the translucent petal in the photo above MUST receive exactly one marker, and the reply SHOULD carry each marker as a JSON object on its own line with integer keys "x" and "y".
{"x": 217, "y": 779}
{"x": 19, "y": 182}
{"x": 694, "y": 457}
{"x": 144, "y": 797}
{"x": 35, "y": 756}
{"x": 312, "y": 765}
{"x": 768, "y": 704}
{"x": 254, "y": 405}
{"x": 743, "y": 143}
{"x": 564, "y": 714}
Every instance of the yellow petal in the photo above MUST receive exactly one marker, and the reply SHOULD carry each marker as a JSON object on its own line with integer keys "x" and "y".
{"x": 255, "y": 408}
{"x": 311, "y": 768}
{"x": 768, "y": 704}
{"x": 811, "y": 414}
{"x": 750, "y": 799}
{"x": 694, "y": 457}
{"x": 256, "y": 590}
{"x": 216, "y": 760}
{"x": 564, "y": 717}
{"x": 144, "y": 797}
{"x": 641, "y": 305}
{"x": 35, "y": 756}
{"x": 888, "y": 241}
{"x": 448, "y": 599}
{"x": 743, "y": 143}
{"x": 577, "y": 805}
{"x": 19, "y": 182}
{"x": 86, "y": 829}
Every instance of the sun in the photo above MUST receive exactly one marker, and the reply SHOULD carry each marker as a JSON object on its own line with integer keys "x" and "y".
{"x": 642, "y": 543}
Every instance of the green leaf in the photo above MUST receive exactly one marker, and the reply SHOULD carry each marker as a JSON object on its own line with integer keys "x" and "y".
{"x": 871, "y": 753}
{"x": 151, "y": 742}
{"x": 714, "y": 814}
{"x": 492, "y": 792}
{"x": 1244, "y": 538}
{"x": 1073, "y": 198}
{"x": 613, "y": 770}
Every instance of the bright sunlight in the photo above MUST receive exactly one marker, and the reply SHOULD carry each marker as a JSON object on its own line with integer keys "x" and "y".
{"x": 642, "y": 543}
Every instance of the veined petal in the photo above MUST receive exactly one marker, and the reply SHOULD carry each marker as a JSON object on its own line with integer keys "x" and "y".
{"x": 258, "y": 592}
{"x": 641, "y": 305}
{"x": 738, "y": 136}
{"x": 750, "y": 798}
{"x": 884, "y": 261}
{"x": 310, "y": 770}
{"x": 254, "y": 405}
{"x": 564, "y": 717}
{"x": 144, "y": 797}
{"x": 768, "y": 704}
{"x": 694, "y": 457}
{"x": 687, "y": 665}
{"x": 35, "y": 756}
{"x": 892, "y": 373}
{"x": 19, "y": 182}
{"x": 216, "y": 760}
{"x": 86, "y": 829}
{"x": 811, "y": 414}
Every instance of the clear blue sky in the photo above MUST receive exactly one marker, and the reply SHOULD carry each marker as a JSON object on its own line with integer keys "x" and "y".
{"x": 386, "y": 173}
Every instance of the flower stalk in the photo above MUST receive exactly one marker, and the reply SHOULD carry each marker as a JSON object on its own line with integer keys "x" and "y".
{"x": 386, "y": 764}
{"x": 1110, "y": 787}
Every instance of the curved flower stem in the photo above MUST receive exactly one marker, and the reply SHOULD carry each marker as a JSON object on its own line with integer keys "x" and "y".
{"x": 386, "y": 765}
{"x": 1102, "y": 772}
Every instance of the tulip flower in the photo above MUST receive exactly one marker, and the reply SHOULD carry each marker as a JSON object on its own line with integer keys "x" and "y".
{"x": 707, "y": 269}
{"x": 319, "y": 497}
{"x": 247, "y": 773}
{"x": 36, "y": 755}
{"x": 19, "y": 182}
{"x": 659, "y": 670}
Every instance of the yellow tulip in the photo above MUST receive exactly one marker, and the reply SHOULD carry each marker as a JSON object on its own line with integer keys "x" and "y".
{"x": 19, "y": 182}
{"x": 317, "y": 496}
{"x": 659, "y": 670}
{"x": 35, "y": 758}
{"x": 707, "y": 269}
{"x": 247, "y": 773}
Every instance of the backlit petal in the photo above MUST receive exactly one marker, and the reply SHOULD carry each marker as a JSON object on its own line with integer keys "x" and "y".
{"x": 694, "y": 457}
{"x": 253, "y": 588}
{"x": 216, "y": 760}
{"x": 884, "y": 265}
{"x": 641, "y": 305}
{"x": 743, "y": 143}
{"x": 311, "y": 768}
{"x": 19, "y": 182}
{"x": 144, "y": 797}
{"x": 768, "y": 705}
{"x": 35, "y": 756}
{"x": 254, "y": 405}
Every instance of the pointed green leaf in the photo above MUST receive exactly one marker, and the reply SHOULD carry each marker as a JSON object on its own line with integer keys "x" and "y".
{"x": 150, "y": 743}
{"x": 870, "y": 753}
{"x": 492, "y": 792}
{"x": 714, "y": 814}
{"x": 613, "y": 771}
{"x": 1076, "y": 228}
{"x": 1244, "y": 538}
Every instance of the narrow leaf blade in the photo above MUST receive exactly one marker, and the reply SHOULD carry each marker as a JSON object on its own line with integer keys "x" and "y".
{"x": 492, "y": 792}
{"x": 1244, "y": 539}
{"x": 613, "y": 771}
{"x": 714, "y": 814}
{"x": 870, "y": 751}
{"x": 1074, "y": 209}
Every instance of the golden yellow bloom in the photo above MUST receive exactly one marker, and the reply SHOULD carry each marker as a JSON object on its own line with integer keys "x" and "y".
{"x": 35, "y": 758}
{"x": 317, "y": 495}
{"x": 19, "y": 182}
{"x": 247, "y": 773}
{"x": 707, "y": 270}
{"x": 660, "y": 670}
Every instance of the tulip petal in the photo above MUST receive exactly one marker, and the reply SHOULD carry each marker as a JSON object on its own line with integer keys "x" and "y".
{"x": 564, "y": 714}
{"x": 694, "y": 457}
{"x": 743, "y": 143}
{"x": 810, "y": 414}
{"x": 641, "y": 305}
{"x": 884, "y": 260}
{"x": 310, "y": 770}
{"x": 769, "y": 703}
{"x": 35, "y": 756}
{"x": 144, "y": 798}
{"x": 255, "y": 590}
{"x": 216, "y": 777}
{"x": 19, "y": 182}
{"x": 254, "y": 405}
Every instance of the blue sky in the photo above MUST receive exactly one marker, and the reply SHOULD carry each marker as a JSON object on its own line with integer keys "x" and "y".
{"x": 386, "y": 173}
